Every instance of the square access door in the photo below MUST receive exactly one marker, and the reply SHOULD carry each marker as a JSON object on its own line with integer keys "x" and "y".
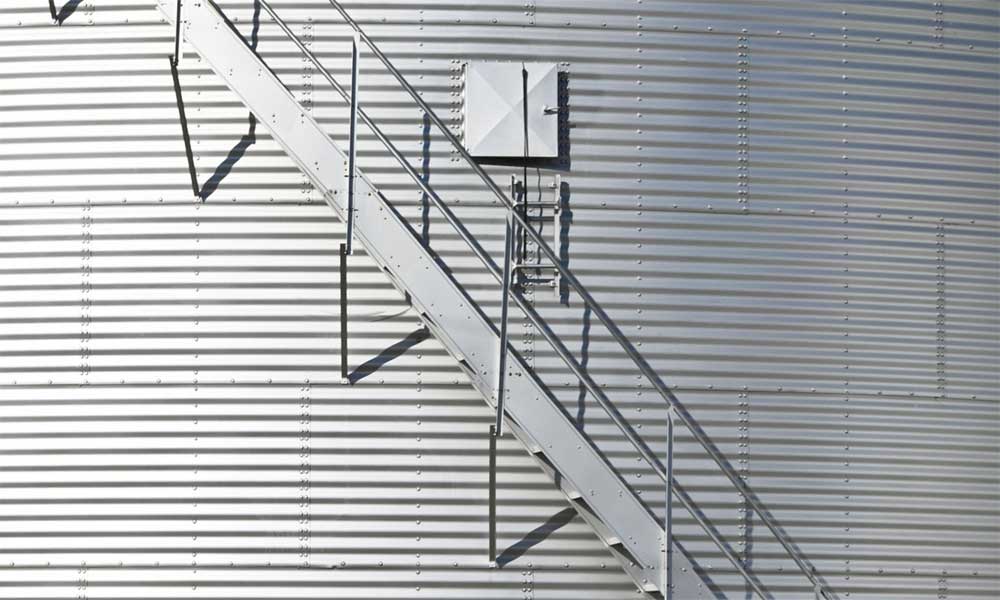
{"x": 494, "y": 109}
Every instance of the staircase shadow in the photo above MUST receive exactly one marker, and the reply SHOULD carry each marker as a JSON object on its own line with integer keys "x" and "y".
{"x": 713, "y": 587}
{"x": 240, "y": 149}
{"x": 392, "y": 352}
{"x": 536, "y": 536}
{"x": 425, "y": 174}
{"x": 235, "y": 154}
{"x": 64, "y": 13}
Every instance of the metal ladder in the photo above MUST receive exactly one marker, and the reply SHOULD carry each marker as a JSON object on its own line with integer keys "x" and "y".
{"x": 593, "y": 486}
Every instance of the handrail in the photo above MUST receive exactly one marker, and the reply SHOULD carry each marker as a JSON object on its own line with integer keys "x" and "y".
{"x": 681, "y": 412}
{"x": 676, "y": 407}
{"x": 481, "y": 253}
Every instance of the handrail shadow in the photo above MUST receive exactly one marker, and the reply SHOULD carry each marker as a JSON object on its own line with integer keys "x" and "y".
{"x": 226, "y": 166}
{"x": 535, "y": 536}
{"x": 385, "y": 356}
{"x": 250, "y": 138}
{"x": 64, "y": 13}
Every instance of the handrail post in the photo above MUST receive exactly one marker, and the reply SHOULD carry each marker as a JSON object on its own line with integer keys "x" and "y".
{"x": 668, "y": 510}
{"x": 353, "y": 144}
{"x": 493, "y": 497}
{"x": 508, "y": 250}
{"x": 178, "y": 34}
{"x": 344, "y": 375}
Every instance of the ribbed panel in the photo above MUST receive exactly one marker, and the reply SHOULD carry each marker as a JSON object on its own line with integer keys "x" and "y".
{"x": 790, "y": 207}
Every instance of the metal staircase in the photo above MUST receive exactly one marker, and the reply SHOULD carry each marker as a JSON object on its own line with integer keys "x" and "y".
{"x": 619, "y": 517}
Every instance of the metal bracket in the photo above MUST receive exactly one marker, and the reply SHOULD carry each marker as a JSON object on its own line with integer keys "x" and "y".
{"x": 521, "y": 268}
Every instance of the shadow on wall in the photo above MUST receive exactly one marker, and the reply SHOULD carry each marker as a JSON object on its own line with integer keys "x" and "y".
{"x": 425, "y": 174}
{"x": 230, "y": 161}
{"x": 536, "y": 536}
{"x": 63, "y": 13}
{"x": 392, "y": 352}
{"x": 564, "y": 223}
{"x": 241, "y": 147}
{"x": 713, "y": 587}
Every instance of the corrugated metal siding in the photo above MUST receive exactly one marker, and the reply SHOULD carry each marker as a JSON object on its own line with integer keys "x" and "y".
{"x": 817, "y": 276}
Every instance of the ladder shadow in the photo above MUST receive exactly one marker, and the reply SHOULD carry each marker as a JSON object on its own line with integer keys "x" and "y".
{"x": 389, "y": 354}
{"x": 250, "y": 138}
{"x": 63, "y": 13}
{"x": 226, "y": 166}
{"x": 535, "y": 536}
{"x": 425, "y": 174}
{"x": 700, "y": 571}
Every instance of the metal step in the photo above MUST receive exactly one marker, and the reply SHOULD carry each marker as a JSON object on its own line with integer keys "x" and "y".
{"x": 621, "y": 520}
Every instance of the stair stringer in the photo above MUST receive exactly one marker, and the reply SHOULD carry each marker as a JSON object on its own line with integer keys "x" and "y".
{"x": 591, "y": 484}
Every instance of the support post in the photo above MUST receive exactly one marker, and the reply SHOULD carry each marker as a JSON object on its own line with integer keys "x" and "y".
{"x": 524, "y": 165}
{"x": 493, "y": 495}
{"x": 668, "y": 510}
{"x": 343, "y": 313}
{"x": 178, "y": 33}
{"x": 504, "y": 306}
{"x": 353, "y": 143}
{"x": 184, "y": 124}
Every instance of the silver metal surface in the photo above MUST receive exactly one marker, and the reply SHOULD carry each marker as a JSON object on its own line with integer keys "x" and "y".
{"x": 528, "y": 311}
{"x": 681, "y": 413}
{"x": 445, "y": 308}
{"x": 880, "y": 461}
{"x": 493, "y": 105}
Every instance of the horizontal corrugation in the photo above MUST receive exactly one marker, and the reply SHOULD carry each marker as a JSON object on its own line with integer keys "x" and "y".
{"x": 832, "y": 321}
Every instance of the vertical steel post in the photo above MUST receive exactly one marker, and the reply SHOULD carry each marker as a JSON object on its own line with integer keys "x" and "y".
{"x": 178, "y": 32}
{"x": 668, "y": 510}
{"x": 353, "y": 143}
{"x": 504, "y": 305}
{"x": 343, "y": 312}
{"x": 493, "y": 495}
{"x": 524, "y": 174}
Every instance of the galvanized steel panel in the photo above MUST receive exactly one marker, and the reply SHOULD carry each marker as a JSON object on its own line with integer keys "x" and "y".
{"x": 817, "y": 276}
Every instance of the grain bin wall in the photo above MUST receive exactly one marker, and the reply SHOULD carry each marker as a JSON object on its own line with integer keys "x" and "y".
{"x": 790, "y": 206}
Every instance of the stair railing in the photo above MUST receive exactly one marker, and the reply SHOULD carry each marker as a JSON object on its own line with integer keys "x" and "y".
{"x": 676, "y": 408}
